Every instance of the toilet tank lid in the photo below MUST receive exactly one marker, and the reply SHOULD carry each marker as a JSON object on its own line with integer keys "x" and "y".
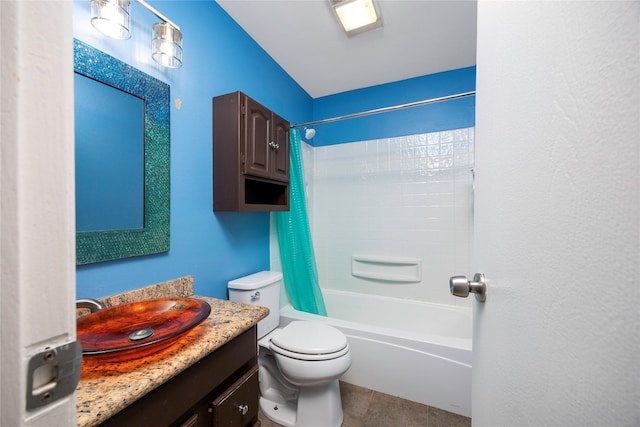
{"x": 255, "y": 281}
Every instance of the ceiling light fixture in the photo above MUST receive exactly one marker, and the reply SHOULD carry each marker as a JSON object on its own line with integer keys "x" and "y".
{"x": 357, "y": 16}
{"x": 112, "y": 18}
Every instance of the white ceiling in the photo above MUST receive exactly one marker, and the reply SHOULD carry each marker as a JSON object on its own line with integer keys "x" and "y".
{"x": 419, "y": 37}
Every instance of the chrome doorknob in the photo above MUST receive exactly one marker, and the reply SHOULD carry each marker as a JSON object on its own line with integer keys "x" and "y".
{"x": 461, "y": 287}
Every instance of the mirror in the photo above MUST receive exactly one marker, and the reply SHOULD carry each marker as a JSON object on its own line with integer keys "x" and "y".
{"x": 109, "y": 134}
{"x": 122, "y": 159}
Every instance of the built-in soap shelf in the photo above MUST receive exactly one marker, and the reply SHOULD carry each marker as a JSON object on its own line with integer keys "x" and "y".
{"x": 387, "y": 268}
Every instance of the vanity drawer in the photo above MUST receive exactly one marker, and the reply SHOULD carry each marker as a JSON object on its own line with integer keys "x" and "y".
{"x": 238, "y": 405}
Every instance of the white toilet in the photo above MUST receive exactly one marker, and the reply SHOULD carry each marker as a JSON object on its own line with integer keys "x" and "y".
{"x": 300, "y": 364}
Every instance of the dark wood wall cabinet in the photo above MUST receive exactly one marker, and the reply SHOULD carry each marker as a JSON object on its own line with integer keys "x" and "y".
{"x": 219, "y": 390}
{"x": 250, "y": 156}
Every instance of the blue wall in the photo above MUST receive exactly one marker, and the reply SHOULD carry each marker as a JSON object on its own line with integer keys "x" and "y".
{"x": 436, "y": 117}
{"x": 219, "y": 57}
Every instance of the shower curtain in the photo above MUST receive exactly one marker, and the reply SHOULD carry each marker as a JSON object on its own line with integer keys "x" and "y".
{"x": 294, "y": 238}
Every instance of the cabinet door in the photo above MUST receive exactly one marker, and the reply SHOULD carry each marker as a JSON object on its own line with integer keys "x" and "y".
{"x": 238, "y": 405}
{"x": 280, "y": 152}
{"x": 257, "y": 137}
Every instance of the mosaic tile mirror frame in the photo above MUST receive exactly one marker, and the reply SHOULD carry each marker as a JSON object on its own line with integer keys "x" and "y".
{"x": 152, "y": 236}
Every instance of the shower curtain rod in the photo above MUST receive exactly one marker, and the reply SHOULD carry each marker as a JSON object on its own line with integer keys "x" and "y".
{"x": 386, "y": 109}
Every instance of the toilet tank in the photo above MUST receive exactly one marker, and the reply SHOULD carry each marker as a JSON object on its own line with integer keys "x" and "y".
{"x": 262, "y": 289}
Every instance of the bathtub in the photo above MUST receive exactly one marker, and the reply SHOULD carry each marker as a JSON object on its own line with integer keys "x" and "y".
{"x": 415, "y": 350}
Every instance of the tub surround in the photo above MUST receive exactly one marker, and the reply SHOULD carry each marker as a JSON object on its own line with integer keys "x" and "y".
{"x": 107, "y": 388}
{"x": 406, "y": 214}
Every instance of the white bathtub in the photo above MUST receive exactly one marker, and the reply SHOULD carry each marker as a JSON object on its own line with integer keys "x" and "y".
{"x": 415, "y": 350}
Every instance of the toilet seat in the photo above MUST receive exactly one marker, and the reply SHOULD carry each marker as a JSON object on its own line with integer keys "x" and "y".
{"x": 309, "y": 357}
{"x": 310, "y": 341}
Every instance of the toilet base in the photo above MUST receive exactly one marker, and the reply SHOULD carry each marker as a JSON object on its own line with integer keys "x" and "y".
{"x": 281, "y": 413}
{"x": 318, "y": 406}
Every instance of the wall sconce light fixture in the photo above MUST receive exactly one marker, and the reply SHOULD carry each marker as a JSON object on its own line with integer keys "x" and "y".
{"x": 112, "y": 18}
{"x": 166, "y": 45}
{"x": 357, "y": 16}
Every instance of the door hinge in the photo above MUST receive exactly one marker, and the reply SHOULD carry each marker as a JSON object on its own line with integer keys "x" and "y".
{"x": 53, "y": 374}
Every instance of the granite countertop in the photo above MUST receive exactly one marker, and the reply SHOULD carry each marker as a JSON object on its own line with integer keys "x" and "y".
{"x": 107, "y": 388}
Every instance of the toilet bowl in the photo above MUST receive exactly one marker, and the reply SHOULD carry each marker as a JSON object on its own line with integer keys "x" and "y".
{"x": 310, "y": 353}
{"x": 299, "y": 365}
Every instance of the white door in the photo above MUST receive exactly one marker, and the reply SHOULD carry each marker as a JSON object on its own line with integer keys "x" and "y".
{"x": 37, "y": 220}
{"x": 557, "y": 205}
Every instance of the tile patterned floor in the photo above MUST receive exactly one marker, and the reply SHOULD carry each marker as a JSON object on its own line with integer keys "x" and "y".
{"x": 367, "y": 408}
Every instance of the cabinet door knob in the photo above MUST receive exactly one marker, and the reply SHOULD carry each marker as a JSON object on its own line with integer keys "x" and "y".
{"x": 243, "y": 409}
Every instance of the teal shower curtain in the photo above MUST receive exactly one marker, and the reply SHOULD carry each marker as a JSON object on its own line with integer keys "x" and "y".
{"x": 294, "y": 238}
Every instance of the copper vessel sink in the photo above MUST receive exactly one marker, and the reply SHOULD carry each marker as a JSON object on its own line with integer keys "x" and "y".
{"x": 138, "y": 329}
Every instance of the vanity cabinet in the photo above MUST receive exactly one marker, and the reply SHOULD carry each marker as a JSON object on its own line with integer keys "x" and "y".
{"x": 250, "y": 156}
{"x": 219, "y": 390}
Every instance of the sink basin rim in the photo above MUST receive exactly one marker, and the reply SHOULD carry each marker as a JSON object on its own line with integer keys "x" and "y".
{"x": 92, "y": 331}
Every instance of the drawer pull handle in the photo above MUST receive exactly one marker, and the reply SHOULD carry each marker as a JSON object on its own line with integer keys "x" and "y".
{"x": 243, "y": 409}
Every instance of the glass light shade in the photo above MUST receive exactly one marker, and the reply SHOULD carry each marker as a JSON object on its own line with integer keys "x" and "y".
{"x": 356, "y": 14}
{"x": 111, "y": 17}
{"x": 166, "y": 45}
